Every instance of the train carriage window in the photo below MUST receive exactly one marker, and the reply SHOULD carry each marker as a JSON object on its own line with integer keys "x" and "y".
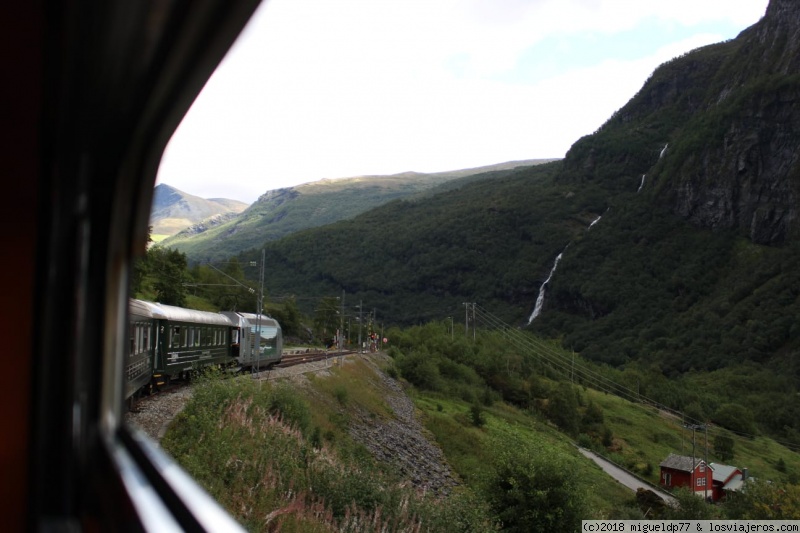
{"x": 176, "y": 337}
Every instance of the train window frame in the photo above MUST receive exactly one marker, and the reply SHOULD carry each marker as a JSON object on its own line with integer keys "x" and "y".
{"x": 115, "y": 80}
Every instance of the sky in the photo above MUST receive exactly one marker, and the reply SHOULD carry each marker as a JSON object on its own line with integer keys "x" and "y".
{"x": 316, "y": 89}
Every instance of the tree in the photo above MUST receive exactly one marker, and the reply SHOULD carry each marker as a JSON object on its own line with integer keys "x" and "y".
{"x": 762, "y": 500}
{"x": 723, "y": 446}
{"x": 140, "y": 267}
{"x": 562, "y": 409}
{"x": 736, "y": 417}
{"x": 169, "y": 268}
{"x": 689, "y": 507}
{"x": 534, "y": 488}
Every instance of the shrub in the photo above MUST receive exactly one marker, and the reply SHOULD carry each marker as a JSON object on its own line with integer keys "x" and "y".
{"x": 477, "y": 416}
{"x": 534, "y": 488}
{"x": 340, "y": 391}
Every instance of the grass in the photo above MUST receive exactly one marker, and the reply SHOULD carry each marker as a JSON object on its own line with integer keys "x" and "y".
{"x": 259, "y": 450}
{"x": 279, "y": 456}
{"x": 643, "y": 435}
{"x": 468, "y": 448}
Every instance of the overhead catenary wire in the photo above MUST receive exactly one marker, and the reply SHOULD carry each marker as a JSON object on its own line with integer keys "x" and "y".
{"x": 568, "y": 369}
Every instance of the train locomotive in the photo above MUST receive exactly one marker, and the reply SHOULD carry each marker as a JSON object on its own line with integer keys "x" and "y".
{"x": 169, "y": 342}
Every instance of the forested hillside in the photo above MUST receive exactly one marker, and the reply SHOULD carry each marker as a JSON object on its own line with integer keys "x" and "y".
{"x": 281, "y": 212}
{"x": 691, "y": 271}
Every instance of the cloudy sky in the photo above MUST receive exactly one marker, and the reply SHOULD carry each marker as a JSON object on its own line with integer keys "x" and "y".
{"x": 326, "y": 89}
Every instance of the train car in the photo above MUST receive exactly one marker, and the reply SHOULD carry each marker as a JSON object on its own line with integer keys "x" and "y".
{"x": 143, "y": 340}
{"x": 188, "y": 340}
{"x": 270, "y": 350}
{"x": 238, "y": 336}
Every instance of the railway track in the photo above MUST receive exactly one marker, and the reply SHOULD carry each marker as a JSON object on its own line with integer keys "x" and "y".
{"x": 309, "y": 357}
{"x": 288, "y": 360}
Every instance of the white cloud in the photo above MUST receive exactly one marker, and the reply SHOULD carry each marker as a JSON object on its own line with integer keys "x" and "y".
{"x": 318, "y": 89}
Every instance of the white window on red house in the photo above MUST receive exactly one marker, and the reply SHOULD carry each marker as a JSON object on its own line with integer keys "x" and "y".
{"x": 702, "y": 467}
{"x": 701, "y": 482}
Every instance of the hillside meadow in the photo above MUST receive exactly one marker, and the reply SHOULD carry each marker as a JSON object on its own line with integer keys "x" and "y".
{"x": 280, "y": 454}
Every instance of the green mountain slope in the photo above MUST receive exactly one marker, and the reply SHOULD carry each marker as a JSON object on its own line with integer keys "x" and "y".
{"x": 284, "y": 211}
{"x": 692, "y": 266}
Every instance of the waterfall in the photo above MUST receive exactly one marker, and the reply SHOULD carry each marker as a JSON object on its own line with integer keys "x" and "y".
{"x": 537, "y": 310}
{"x": 641, "y": 184}
{"x": 595, "y": 221}
{"x": 662, "y": 151}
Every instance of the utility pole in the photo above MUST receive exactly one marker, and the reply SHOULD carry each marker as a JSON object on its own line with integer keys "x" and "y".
{"x": 466, "y": 319}
{"x": 695, "y": 427}
{"x": 705, "y": 485}
{"x": 341, "y": 326}
{"x": 473, "y": 322}
{"x": 360, "y": 305}
{"x": 258, "y": 312}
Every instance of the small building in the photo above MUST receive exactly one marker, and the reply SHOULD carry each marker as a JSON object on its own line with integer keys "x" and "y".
{"x": 690, "y": 472}
{"x": 727, "y": 479}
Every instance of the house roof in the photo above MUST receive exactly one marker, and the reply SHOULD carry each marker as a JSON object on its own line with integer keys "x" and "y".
{"x": 735, "y": 483}
{"x": 683, "y": 463}
{"x": 723, "y": 472}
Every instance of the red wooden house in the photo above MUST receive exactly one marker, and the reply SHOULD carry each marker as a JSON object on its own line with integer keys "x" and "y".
{"x": 727, "y": 479}
{"x": 690, "y": 472}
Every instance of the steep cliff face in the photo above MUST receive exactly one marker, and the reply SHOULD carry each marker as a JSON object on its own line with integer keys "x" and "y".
{"x": 747, "y": 180}
{"x": 745, "y": 174}
{"x": 731, "y": 115}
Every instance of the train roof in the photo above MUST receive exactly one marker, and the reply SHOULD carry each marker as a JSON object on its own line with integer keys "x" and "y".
{"x": 179, "y": 314}
{"x": 266, "y": 320}
{"x": 235, "y": 318}
{"x": 142, "y": 308}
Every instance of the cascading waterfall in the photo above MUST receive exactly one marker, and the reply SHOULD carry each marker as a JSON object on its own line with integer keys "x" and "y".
{"x": 641, "y": 184}
{"x": 537, "y": 309}
{"x": 662, "y": 151}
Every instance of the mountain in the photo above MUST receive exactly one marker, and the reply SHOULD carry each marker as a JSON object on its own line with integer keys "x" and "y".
{"x": 728, "y": 117}
{"x": 281, "y": 212}
{"x": 174, "y": 210}
{"x": 673, "y": 228}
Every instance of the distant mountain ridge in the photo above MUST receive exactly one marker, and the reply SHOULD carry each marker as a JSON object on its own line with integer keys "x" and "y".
{"x": 173, "y": 210}
{"x": 280, "y": 212}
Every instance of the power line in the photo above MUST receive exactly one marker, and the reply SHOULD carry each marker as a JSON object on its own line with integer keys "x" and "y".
{"x": 567, "y": 368}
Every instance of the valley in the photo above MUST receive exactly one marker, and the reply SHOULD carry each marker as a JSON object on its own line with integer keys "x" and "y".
{"x": 647, "y": 283}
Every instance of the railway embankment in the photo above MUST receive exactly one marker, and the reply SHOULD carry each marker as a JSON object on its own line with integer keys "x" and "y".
{"x": 399, "y": 440}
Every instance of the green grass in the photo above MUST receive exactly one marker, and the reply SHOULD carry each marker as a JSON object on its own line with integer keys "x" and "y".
{"x": 253, "y": 447}
{"x": 469, "y": 449}
{"x": 643, "y": 435}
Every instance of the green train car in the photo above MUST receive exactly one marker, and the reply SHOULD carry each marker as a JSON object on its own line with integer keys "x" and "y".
{"x": 169, "y": 342}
